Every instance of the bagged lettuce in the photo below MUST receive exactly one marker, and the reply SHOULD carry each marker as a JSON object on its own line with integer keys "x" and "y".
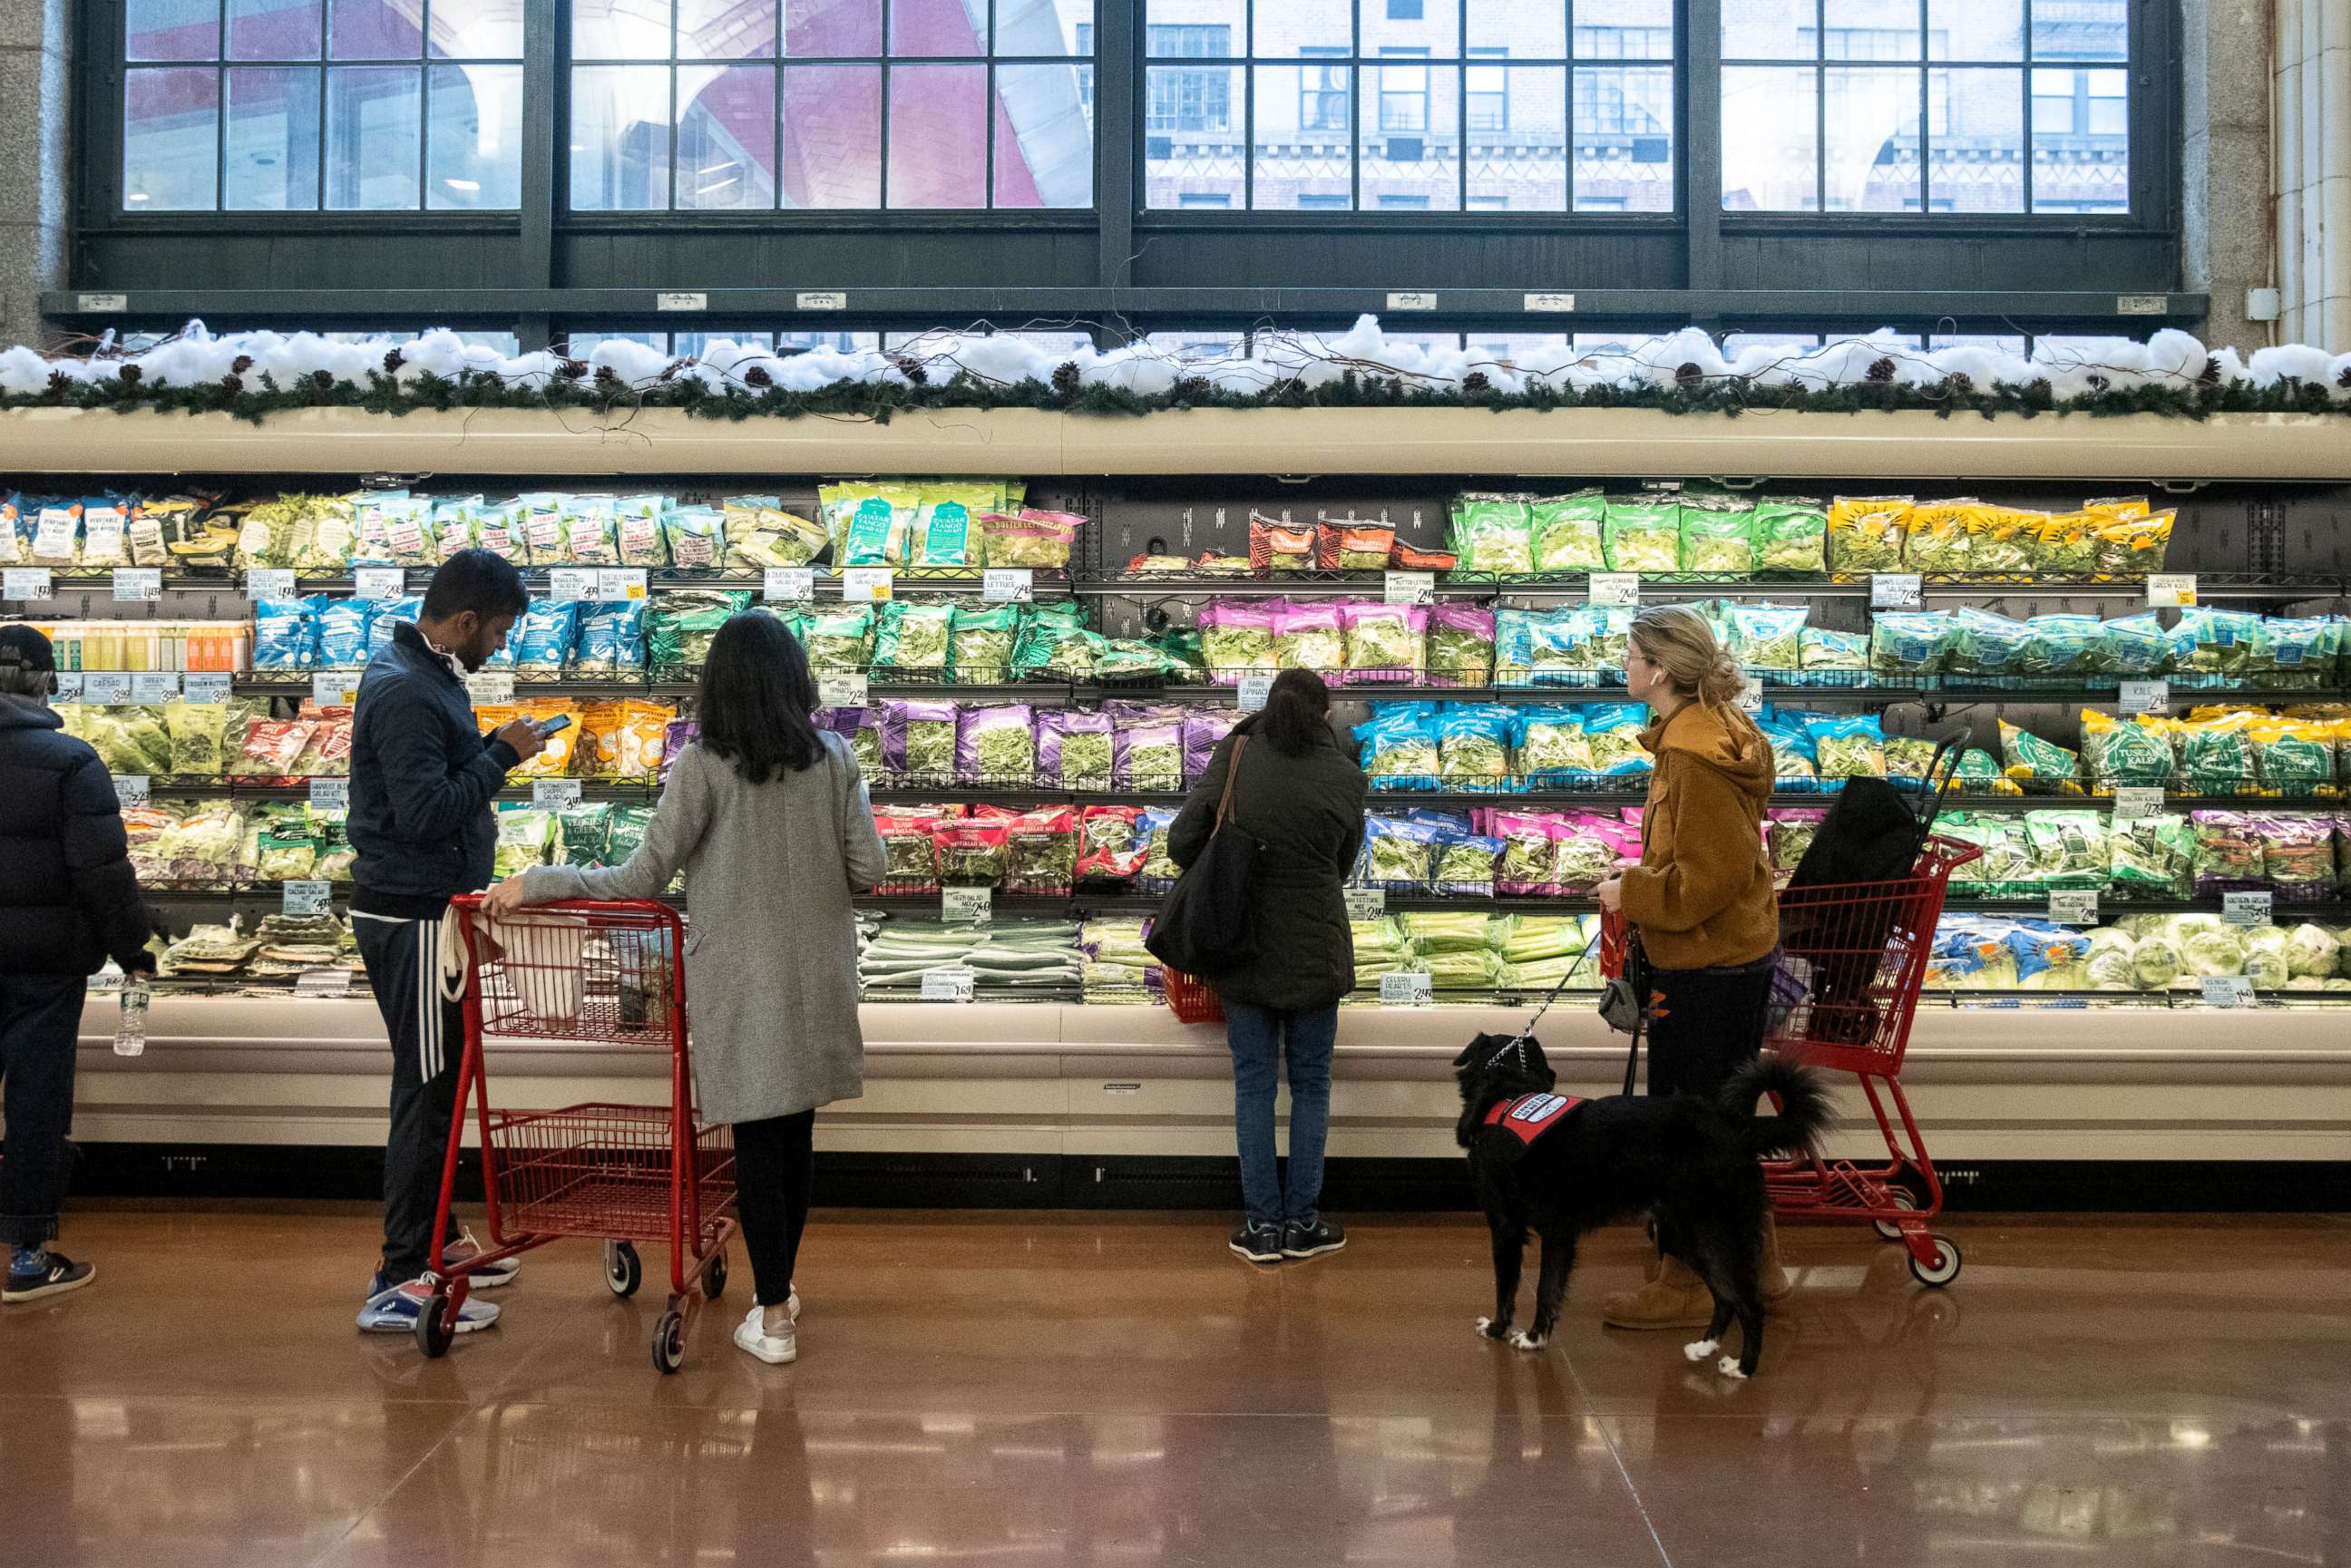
{"x": 1553, "y": 752}
{"x": 1460, "y": 644}
{"x": 982, "y": 642}
{"x": 2041, "y": 766}
{"x": 680, "y": 624}
{"x": 1527, "y": 869}
{"x": 1399, "y": 746}
{"x": 1148, "y": 756}
{"x": 1847, "y": 746}
{"x": 1718, "y": 537}
{"x": 1909, "y": 641}
{"x": 840, "y": 638}
{"x": 2069, "y": 847}
{"x": 1615, "y": 732}
{"x": 1384, "y": 642}
{"x": 1568, "y": 532}
{"x": 760, "y": 534}
{"x": 2119, "y": 751}
{"x": 1644, "y": 535}
{"x": 2004, "y": 540}
{"x": 1307, "y": 637}
{"x": 1237, "y": 638}
{"x": 1398, "y": 855}
{"x": 2230, "y": 852}
{"x": 1790, "y": 536}
{"x": 1833, "y": 658}
{"x": 2060, "y": 646}
{"x": 1074, "y": 749}
{"x": 1494, "y": 534}
{"x": 2298, "y": 856}
{"x": 2151, "y": 858}
{"x": 1937, "y": 536}
{"x": 1054, "y": 643}
{"x": 1985, "y": 644}
{"x": 1465, "y": 864}
{"x": 919, "y": 740}
{"x": 1473, "y": 745}
{"x": 1865, "y": 533}
{"x": 1768, "y": 636}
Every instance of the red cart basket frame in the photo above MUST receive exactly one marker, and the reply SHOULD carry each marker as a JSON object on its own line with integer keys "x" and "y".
{"x": 601, "y": 973}
{"x": 1852, "y": 960}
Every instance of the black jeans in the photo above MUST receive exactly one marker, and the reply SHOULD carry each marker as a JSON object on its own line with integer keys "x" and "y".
{"x": 41, "y": 1023}
{"x": 1706, "y": 1024}
{"x": 428, "y": 1041}
{"x": 775, "y": 1166}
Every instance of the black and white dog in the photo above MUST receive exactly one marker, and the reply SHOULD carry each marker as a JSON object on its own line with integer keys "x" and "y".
{"x": 1562, "y": 1167}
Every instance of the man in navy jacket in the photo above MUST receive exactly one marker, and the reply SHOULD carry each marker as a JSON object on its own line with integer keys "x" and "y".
{"x": 68, "y": 900}
{"x": 425, "y": 829}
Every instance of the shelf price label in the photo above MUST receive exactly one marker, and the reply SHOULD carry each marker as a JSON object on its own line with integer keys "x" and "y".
{"x": 379, "y": 583}
{"x": 1750, "y": 695}
{"x": 952, "y": 984}
{"x": 269, "y": 582}
{"x": 26, "y": 582}
{"x": 867, "y": 584}
{"x": 105, "y": 688}
{"x": 621, "y": 584}
{"x": 568, "y": 584}
{"x": 205, "y": 687}
{"x": 305, "y": 897}
{"x": 1009, "y": 585}
{"x": 1250, "y": 695}
{"x": 2147, "y": 696}
{"x": 490, "y": 690}
{"x": 132, "y": 789}
{"x": 790, "y": 585}
{"x": 554, "y": 794}
{"x": 1895, "y": 591}
{"x": 155, "y": 685}
{"x": 2132, "y": 801}
{"x": 1616, "y": 588}
{"x": 2228, "y": 991}
{"x": 1366, "y": 902}
{"x": 966, "y": 906}
{"x": 330, "y": 794}
{"x": 2246, "y": 908}
{"x": 323, "y": 983}
{"x": 68, "y": 685}
{"x": 2171, "y": 590}
{"x": 339, "y": 689}
{"x": 2073, "y": 905}
{"x": 1411, "y": 588}
{"x": 138, "y": 584}
{"x": 842, "y": 688}
{"x": 1405, "y": 990}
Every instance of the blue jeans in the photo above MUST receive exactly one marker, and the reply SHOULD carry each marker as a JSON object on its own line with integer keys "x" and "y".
{"x": 1261, "y": 1038}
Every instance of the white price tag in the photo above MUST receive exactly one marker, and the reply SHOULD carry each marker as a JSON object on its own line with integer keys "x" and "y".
{"x": 102, "y": 304}
{"x": 320, "y": 983}
{"x": 68, "y": 685}
{"x": 379, "y": 583}
{"x": 842, "y": 688}
{"x": 2073, "y": 905}
{"x": 330, "y": 794}
{"x": 26, "y": 582}
{"x": 269, "y": 582}
{"x": 107, "y": 980}
{"x": 1250, "y": 695}
{"x": 2132, "y": 801}
{"x": 966, "y": 906}
{"x": 305, "y": 897}
{"x": 1895, "y": 591}
{"x": 790, "y": 585}
{"x": 566, "y": 584}
{"x": 1411, "y": 588}
{"x": 1750, "y": 695}
{"x": 138, "y": 584}
{"x": 2228, "y": 991}
{"x": 2171, "y": 590}
{"x": 951, "y": 985}
{"x": 2246, "y": 908}
{"x": 207, "y": 687}
{"x": 155, "y": 685}
{"x": 105, "y": 688}
{"x": 554, "y": 794}
{"x": 1009, "y": 585}
{"x": 682, "y": 301}
{"x": 1555, "y": 304}
{"x": 1418, "y": 299}
{"x": 1405, "y": 991}
{"x": 1616, "y": 588}
{"x": 2147, "y": 696}
{"x": 866, "y": 584}
{"x": 1366, "y": 902}
{"x": 823, "y": 299}
{"x": 130, "y": 790}
{"x": 339, "y": 689}
{"x": 2142, "y": 304}
{"x": 621, "y": 584}
{"x": 490, "y": 691}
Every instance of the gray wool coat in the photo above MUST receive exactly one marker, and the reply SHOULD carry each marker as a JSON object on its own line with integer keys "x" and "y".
{"x": 771, "y": 945}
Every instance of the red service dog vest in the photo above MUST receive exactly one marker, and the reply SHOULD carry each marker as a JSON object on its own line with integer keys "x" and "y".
{"x": 1529, "y": 1116}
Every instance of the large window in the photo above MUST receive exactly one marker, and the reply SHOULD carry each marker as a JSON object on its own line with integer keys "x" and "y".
{"x": 755, "y": 104}
{"x": 1891, "y": 106}
{"x": 1410, "y": 105}
{"x": 292, "y": 105}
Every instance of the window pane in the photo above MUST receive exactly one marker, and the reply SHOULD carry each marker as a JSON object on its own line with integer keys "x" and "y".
{"x": 1528, "y": 32}
{"x": 1510, "y": 346}
{"x": 1303, "y": 136}
{"x": 748, "y": 346}
{"x": 274, "y": 29}
{"x": 2077, "y": 353}
{"x": 1178, "y": 27}
{"x": 2081, "y": 141}
{"x": 1770, "y": 139}
{"x": 1412, "y": 139}
{"x": 832, "y": 137}
{"x": 374, "y": 124}
{"x": 620, "y": 29}
{"x": 726, "y": 29}
{"x": 1771, "y": 30}
{"x": 790, "y": 343}
{"x": 1290, "y": 28}
{"x": 1518, "y": 138}
{"x": 1044, "y": 136}
{"x": 471, "y": 30}
{"x": 2012, "y": 343}
{"x": 936, "y": 27}
{"x": 1045, "y": 27}
{"x": 938, "y": 136}
{"x": 373, "y": 30}
{"x": 473, "y": 137}
{"x": 1872, "y": 30}
{"x": 1788, "y": 344}
{"x": 2081, "y": 30}
{"x": 1625, "y": 30}
{"x": 172, "y": 30}
{"x": 1191, "y": 133}
{"x": 726, "y": 137}
{"x": 1432, "y": 28}
{"x": 819, "y": 29}
{"x": 171, "y": 127}
{"x": 1196, "y": 347}
{"x": 1624, "y": 139}
{"x": 620, "y": 138}
{"x": 1977, "y": 121}
{"x": 1975, "y": 29}
{"x": 1873, "y": 147}
{"x": 272, "y": 140}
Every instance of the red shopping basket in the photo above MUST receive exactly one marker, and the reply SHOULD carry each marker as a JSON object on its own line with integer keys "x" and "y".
{"x": 589, "y": 974}
{"x": 1191, "y": 999}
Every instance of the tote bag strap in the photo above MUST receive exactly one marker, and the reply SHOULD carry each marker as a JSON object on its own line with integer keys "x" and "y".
{"x": 1232, "y": 776}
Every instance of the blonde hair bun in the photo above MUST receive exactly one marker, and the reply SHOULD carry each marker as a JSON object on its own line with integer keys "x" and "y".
{"x": 1678, "y": 642}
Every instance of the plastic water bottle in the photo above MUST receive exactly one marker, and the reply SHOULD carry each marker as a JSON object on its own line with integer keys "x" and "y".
{"x": 130, "y": 1031}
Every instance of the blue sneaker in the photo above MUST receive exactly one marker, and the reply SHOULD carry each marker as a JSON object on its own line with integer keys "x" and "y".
{"x": 53, "y": 1275}
{"x": 460, "y": 1253}
{"x": 394, "y": 1309}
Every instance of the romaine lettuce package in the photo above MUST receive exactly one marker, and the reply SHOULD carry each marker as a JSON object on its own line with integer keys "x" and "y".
{"x": 1768, "y": 637}
{"x": 1536, "y": 648}
{"x": 1568, "y": 533}
{"x": 1494, "y": 534}
{"x": 1465, "y": 864}
{"x": 2151, "y": 858}
{"x": 1553, "y": 752}
{"x": 2041, "y": 766}
{"x": 1399, "y": 746}
{"x": 1847, "y": 746}
{"x": 1473, "y": 745}
{"x": 1718, "y": 537}
{"x": 1308, "y": 637}
{"x": 1865, "y": 533}
{"x": 1643, "y": 534}
{"x": 1790, "y": 536}
{"x": 1384, "y": 642}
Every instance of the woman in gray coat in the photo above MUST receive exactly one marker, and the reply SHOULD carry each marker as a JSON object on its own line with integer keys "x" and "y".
{"x": 769, "y": 819}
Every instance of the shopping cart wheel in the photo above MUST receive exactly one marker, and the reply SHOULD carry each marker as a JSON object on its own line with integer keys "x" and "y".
{"x": 1943, "y": 1269}
{"x": 1903, "y": 1198}
{"x": 434, "y": 1327}
{"x": 623, "y": 1271}
{"x": 669, "y": 1342}
{"x": 714, "y": 1278}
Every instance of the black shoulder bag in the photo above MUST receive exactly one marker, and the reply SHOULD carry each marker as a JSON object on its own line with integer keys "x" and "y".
{"x": 1204, "y": 924}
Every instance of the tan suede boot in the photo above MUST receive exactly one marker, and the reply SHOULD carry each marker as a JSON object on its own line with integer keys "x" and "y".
{"x": 1675, "y": 1298}
{"x": 1777, "y": 1287}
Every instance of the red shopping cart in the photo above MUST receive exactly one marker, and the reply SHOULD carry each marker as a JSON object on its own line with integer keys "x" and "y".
{"x": 1852, "y": 960}
{"x": 589, "y": 974}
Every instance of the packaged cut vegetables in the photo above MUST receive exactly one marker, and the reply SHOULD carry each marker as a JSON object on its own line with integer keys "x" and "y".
{"x": 2040, "y": 766}
{"x": 1460, "y": 644}
{"x": 1307, "y": 637}
{"x": 1718, "y": 535}
{"x": 1569, "y": 532}
{"x": 1237, "y": 638}
{"x": 1644, "y": 535}
{"x": 1790, "y": 536}
{"x": 1384, "y": 642}
{"x": 1279, "y": 546}
{"x": 1353, "y": 546}
{"x": 1494, "y": 534}
{"x": 1865, "y": 534}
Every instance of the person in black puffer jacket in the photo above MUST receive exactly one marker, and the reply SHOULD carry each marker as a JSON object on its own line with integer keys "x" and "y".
{"x": 68, "y": 900}
{"x": 1300, "y": 796}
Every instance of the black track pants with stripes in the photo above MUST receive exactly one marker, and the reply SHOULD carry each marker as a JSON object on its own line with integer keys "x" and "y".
{"x": 428, "y": 1037}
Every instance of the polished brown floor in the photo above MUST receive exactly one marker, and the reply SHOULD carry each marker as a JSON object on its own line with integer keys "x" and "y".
{"x": 1022, "y": 1390}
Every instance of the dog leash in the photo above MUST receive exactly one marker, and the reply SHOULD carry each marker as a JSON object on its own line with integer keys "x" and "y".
{"x": 1516, "y": 1044}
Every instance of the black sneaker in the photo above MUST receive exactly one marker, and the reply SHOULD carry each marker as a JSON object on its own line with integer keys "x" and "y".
{"x": 1301, "y": 1239}
{"x": 56, "y": 1276}
{"x": 1258, "y": 1243}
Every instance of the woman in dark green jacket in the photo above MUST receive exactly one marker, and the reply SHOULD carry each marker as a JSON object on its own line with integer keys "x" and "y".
{"x": 1300, "y": 796}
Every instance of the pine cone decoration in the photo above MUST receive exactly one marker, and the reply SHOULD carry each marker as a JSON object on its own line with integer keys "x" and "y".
{"x": 2098, "y": 383}
{"x": 2212, "y": 375}
{"x": 912, "y": 369}
{"x": 608, "y": 379}
{"x": 323, "y": 380}
{"x": 60, "y": 383}
{"x": 392, "y": 361}
{"x": 232, "y": 385}
{"x": 129, "y": 374}
{"x": 1880, "y": 372}
{"x": 1193, "y": 389}
{"x": 670, "y": 372}
{"x": 758, "y": 376}
{"x": 2343, "y": 379}
{"x": 241, "y": 364}
{"x": 1067, "y": 380}
{"x": 2040, "y": 391}
{"x": 1477, "y": 383}
{"x": 1959, "y": 383}
{"x": 1688, "y": 376}
{"x": 572, "y": 369}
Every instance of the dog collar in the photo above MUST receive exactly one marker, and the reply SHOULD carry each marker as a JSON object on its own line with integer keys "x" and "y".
{"x": 1529, "y": 1116}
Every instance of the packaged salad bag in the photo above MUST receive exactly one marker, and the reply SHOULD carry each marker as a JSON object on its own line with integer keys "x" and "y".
{"x": 1867, "y": 533}
{"x": 2041, "y": 766}
{"x": 1494, "y": 534}
{"x": 1307, "y": 637}
{"x": 1643, "y": 534}
{"x": 1718, "y": 535}
{"x": 1568, "y": 532}
{"x": 1237, "y": 638}
{"x": 1790, "y": 536}
{"x": 1460, "y": 644}
{"x": 1384, "y": 642}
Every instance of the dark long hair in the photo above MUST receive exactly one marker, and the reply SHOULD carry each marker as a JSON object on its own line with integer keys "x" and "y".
{"x": 757, "y": 700}
{"x": 1297, "y": 712}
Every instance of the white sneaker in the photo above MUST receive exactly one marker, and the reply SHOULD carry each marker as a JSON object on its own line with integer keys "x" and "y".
{"x": 460, "y": 1255}
{"x": 394, "y": 1309}
{"x": 791, "y": 1305}
{"x": 775, "y": 1349}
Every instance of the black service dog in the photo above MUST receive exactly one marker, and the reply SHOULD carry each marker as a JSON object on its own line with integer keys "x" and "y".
{"x": 1562, "y": 1167}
